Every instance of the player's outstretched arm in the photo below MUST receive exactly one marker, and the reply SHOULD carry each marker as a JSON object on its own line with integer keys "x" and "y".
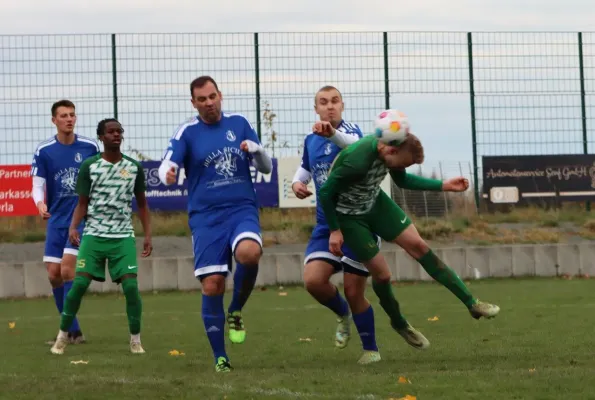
{"x": 341, "y": 139}
{"x": 80, "y": 212}
{"x": 262, "y": 161}
{"x": 415, "y": 182}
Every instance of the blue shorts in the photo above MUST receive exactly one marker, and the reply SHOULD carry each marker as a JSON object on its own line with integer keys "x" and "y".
{"x": 214, "y": 246}
{"x": 318, "y": 249}
{"x": 57, "y": 244}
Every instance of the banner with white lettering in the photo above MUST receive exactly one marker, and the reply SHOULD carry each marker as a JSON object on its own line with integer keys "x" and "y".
{"x": 175, "y": 197}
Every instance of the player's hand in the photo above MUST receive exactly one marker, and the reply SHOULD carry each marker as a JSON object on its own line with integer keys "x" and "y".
{"x": 42, "y": 208}
{"x": 324, "y": 129}
{"x": 300, "y": 190}
{"x": 459, "y": 184}
{"x": 170, "y": 177}
{"x": 335, "y": 243}
{"x": 147, "y": 247}
{"x": 248, "y": 146}
{"x": 73, "y": 235}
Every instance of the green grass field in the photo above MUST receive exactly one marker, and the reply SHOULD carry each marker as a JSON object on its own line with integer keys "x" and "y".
{"x": 539, "y": 347}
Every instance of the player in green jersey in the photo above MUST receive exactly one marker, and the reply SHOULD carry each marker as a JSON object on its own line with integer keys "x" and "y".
{"x": 106, "y": 184}
{"x": 356, "y": 209}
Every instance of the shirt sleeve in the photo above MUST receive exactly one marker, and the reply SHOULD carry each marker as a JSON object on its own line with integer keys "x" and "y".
{"x": 140, "y": 185}
{"x": 38, "y": 167}
{"x": 83, "y": 181}
{"x": 348, "y": 168}
{"x": 414, "y": 182}
{"x": 176, "y": 150}
{"x": 305, "y": 158}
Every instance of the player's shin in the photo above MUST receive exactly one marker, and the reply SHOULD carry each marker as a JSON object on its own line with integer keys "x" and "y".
{"x": 443, "y": 274}
{"x": 134, "y": 306}
{"x": 383, "y": 289}
{"x": 73, "y": 301}
{"x": 213, "y": 318}
{"x": 244, "y": 280}
{"x": 364, "y": 322}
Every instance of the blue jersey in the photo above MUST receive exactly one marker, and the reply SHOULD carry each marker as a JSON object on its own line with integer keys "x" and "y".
{"x": 59, "y": 165}
{"x": 217, "y": 170}
{"x": 318, "y": 155}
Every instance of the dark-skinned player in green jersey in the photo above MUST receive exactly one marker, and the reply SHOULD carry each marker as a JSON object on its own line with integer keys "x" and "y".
{"x": 106, "y": 184}
{"x": 356, "y": 209}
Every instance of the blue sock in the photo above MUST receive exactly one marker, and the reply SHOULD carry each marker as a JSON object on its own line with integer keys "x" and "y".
{"x": 364, "y": 323}
{"x": 337, "y": 304}
{"x": 59, "y": 298}
{"x": 243, "y": 283}
{"x": 213, "y": 318}
{"x": 75, "y": 323}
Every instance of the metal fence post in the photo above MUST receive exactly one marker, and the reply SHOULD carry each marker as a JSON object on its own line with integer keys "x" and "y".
{"x": 583, "y": 107}
{"x": 114, "y": 76}
{"x": 386, "y": 80}
{"x": 257, "y": 80}
{"x": 473, "y": 122}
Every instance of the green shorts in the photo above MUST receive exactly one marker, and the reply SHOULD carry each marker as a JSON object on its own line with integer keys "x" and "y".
{"x": 386, "y": 219}
{"x": 120, "y": 254}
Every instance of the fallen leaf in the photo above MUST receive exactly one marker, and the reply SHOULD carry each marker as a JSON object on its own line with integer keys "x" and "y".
{"x": 531, "y": 370}
{"x": 305, "y": 339}
{"x": 11, "y": 325}
{"x": 282, "y": 293}
{"x": 408, "y": 397}
{"x": 174, "y": 353}
{"x": 79, "y": 362}
{"x": 402, "y": 379}
{"x": 433, "y": 319}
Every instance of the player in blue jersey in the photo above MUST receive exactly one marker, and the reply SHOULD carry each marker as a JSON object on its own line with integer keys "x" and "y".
{"x": 55, "y": 168}
{"x": 216, "y": 150}
{"x": 329, "y": 136}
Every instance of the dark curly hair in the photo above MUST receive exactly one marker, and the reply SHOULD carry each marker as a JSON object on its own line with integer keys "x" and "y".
{"x": 101, "y": 125}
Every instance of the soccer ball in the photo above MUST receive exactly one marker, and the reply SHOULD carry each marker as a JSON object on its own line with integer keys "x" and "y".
{"x": 391, "y": 127}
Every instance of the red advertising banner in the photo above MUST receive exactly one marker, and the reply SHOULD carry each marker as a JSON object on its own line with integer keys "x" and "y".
{"x": 15, "y": 191}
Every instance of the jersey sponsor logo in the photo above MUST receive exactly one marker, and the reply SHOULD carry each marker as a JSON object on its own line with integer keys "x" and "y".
{"x": 320, "y": 172}
{"x": 225, "y": 162}
{"x": 230, "y": 136}
{"x": 78, "y": 157}
{"x": 66, "y": 178}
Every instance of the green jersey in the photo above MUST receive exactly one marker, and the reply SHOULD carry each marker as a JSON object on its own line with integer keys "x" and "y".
{"x": 110, "y": 188}
{"x": 353, "y": 183}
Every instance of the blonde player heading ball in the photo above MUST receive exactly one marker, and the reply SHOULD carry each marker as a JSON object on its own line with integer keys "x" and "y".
{"x": 357, "y": 209}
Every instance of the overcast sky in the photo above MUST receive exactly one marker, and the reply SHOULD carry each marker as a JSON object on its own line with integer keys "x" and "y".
{"x": 442, "y": 121}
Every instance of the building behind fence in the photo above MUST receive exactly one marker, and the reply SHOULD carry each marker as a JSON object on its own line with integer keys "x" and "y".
{"x": 510, "y": 93}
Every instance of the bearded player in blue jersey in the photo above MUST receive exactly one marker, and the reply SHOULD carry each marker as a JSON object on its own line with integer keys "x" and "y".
{"x": 329, "y": 136}
{"x": 54, "y": 169}
{"x": 216, "y": 150}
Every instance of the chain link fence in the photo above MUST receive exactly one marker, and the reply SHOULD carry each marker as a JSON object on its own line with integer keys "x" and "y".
{"x": 497, "y": 93}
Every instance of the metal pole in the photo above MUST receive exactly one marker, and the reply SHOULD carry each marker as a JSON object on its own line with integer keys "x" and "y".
{"x": 473, "y": 122}
{"x": 583, "y": 107}
{"x": 257, "y": 80}
{"x": 386, "y": 81}
{"x": 114, "y": 76}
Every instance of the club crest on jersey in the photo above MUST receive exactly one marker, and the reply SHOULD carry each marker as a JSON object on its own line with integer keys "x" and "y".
{"x": 67, "y": 179}
{"x": 78, "y": 157}
{"x": 328, "y": 149}
{"x": 225, "y": 165}
{"x": 124, "y": 173}
{"x": 230, "y": 136}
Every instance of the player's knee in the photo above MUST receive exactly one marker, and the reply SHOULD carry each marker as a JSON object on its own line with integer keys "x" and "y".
{"x": 354, "y": 294}
{"x": 313, "y": 283}
{"x": 248, "y": 252}
{"x": 213, "y": 285}
{"x": 54, "y": 274}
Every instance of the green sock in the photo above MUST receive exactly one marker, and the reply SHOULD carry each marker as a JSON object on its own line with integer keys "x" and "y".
{"x": 443, "y": 274}
{"x": 73, "y": 301}
{"x": 134, "y": 304}
{"x": 389, "y": 304}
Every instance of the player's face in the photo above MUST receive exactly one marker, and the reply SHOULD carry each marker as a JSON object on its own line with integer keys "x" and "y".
{"x": 65, "y": 120}
{"x": 113, "y": 135}
{"x": 207, "y": 101}
{"x": 329, "y": 105}
{"x": 393, "y": 158}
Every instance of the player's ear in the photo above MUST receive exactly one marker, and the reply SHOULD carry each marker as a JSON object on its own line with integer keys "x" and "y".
{"x": 220, "y": 96}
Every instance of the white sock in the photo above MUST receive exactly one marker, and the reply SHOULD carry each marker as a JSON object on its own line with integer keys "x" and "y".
{"x": 62, "y": 335}
{"x": 135, "y": 338}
